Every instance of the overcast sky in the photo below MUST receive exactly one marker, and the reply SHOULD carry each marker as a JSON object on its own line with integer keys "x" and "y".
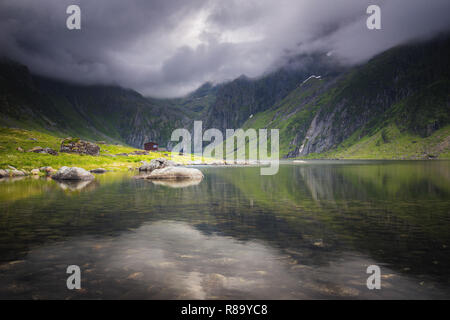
{"x": 166, "y": 48}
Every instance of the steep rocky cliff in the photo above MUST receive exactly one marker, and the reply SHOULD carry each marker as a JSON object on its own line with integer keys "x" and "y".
{"x": 402, "y": 92}
{"x": 406, "y": 86}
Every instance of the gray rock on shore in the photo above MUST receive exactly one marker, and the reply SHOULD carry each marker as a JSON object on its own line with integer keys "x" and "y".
{"x": 72, "y": 173}
{"x": 43, "y": 150}
{"x": 47, "y": 170}
{"x": 12, "y": 172}
{"x": 4, "y": 173}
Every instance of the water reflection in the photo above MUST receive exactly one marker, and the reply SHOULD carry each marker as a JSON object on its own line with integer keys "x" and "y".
{"x": 177, "y": 183}
{"x": 76, "y": 185}
{"x": 308, "y": 232}
{"x": 167, "y": 259}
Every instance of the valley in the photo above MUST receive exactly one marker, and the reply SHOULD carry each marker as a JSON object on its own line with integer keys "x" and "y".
{"x": 395, "y": 106}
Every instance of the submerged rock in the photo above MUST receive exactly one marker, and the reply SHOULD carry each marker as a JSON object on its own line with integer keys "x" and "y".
{"x": 98, "y": 170}
{"x": 75, "y": 145}
{"x": 72, "y": 173}
{"x": 175, "y": 173}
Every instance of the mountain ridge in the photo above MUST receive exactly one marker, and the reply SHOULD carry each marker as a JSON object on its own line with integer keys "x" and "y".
{"x": 97, "y": 112}
{"x": 322, "y": 109}
{"x": 404, "y": 89}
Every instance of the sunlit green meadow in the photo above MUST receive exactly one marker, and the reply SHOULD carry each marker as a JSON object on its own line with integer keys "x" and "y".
{"x": 11, "y": 139}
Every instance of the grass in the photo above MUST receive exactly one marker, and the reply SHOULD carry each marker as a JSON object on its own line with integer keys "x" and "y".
{"x": 391, "y": 143}
{"x": 12, "y": 138}
{"x": 366, "y": 112}
{"x": 388, "y": 143}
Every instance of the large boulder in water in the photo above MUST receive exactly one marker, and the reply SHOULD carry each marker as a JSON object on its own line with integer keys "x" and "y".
{"x": 175, "y": 173}
{"x": 158, "y": 163}
{"x": 75, "y": 145}
{"x": 72, "y": 173}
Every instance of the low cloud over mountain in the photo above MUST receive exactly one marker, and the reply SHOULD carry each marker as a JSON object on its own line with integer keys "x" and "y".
{"x": 167, "y": 48}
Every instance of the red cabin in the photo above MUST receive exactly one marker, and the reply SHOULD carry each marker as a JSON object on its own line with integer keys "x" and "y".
{"x": 151, "y": 146}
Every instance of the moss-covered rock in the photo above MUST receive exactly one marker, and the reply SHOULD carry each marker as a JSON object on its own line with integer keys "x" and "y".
{"x": 76, "y": 145}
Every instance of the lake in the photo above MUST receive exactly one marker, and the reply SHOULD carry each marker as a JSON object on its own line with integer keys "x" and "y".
{"x": 309, "y": 232}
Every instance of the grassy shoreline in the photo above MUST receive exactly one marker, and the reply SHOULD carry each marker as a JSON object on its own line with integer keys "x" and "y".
{"x": 12, "y": 138}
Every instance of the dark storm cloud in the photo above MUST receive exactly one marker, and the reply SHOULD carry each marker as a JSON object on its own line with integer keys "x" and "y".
{"x": 167, "y": 48}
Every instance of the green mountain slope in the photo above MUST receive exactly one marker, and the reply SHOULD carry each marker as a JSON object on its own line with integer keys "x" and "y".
{"x": 94, "y": 112}
{"x": 243, "y": 97}
{"x": 395, "y": 106}
{"x": 196, "y": 104}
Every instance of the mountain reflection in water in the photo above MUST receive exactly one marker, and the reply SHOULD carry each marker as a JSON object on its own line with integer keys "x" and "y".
{"x": 308, "y": 232}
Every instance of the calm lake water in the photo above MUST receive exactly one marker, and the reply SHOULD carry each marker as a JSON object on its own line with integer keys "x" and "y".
{"x": 308, "y": 232}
